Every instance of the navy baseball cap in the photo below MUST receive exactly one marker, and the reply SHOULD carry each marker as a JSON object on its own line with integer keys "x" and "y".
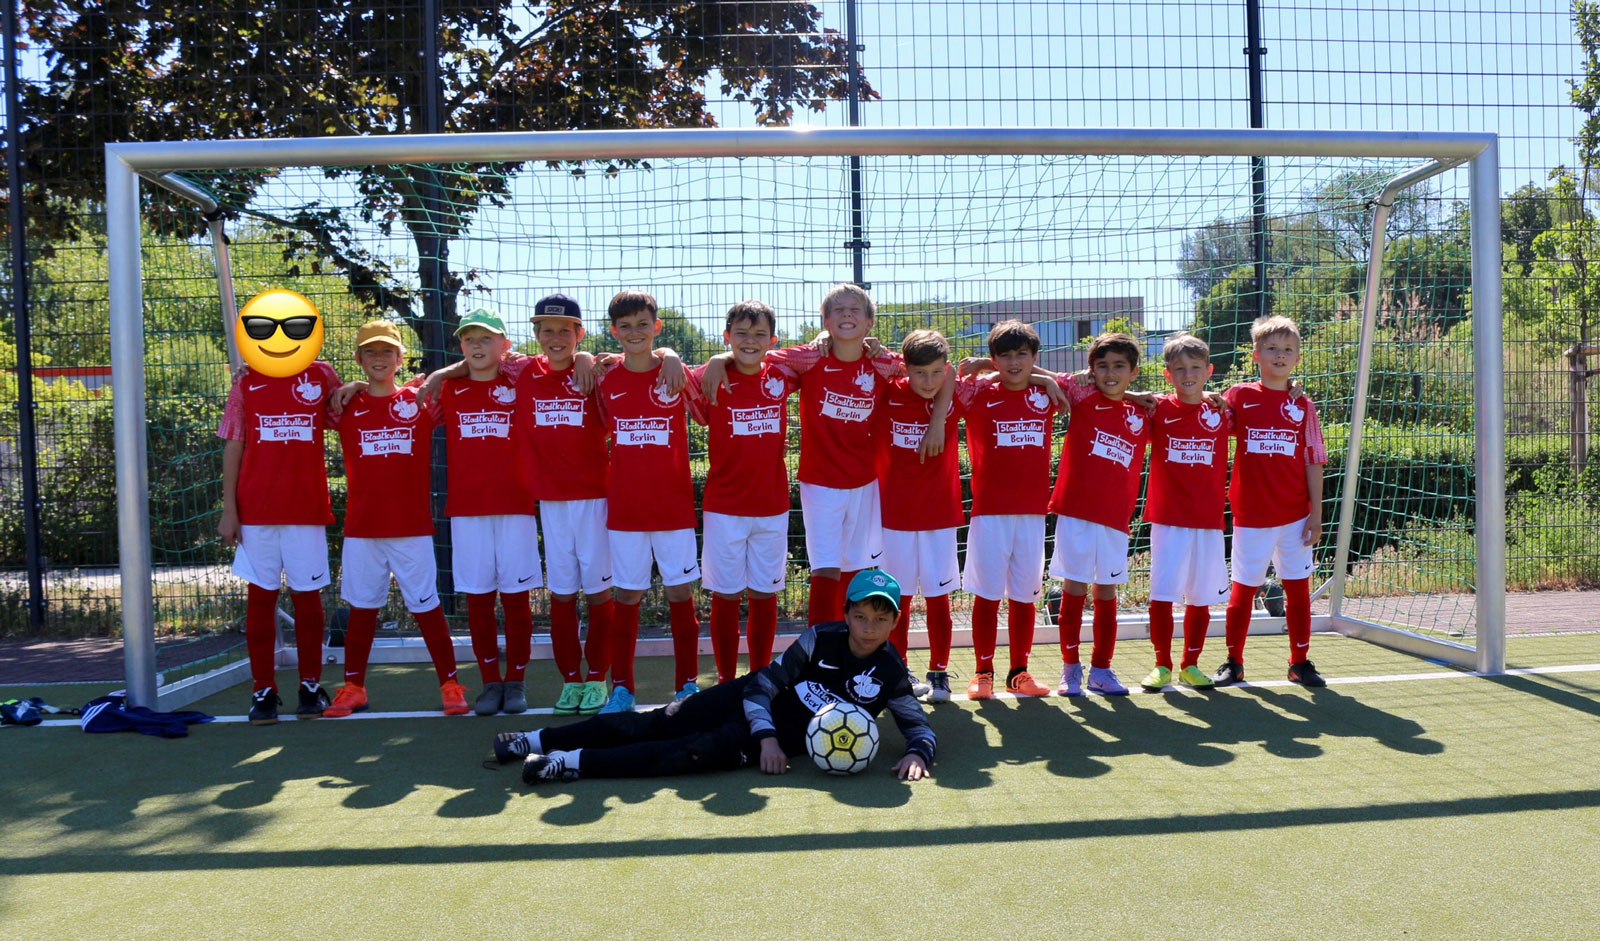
{"x": 873, "y": 582}
{"x": 557, "y": 307}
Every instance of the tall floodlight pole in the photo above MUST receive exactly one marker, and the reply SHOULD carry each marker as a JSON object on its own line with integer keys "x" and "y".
{"x": 1253, "y": 51}
{"x": 858, "y": 244}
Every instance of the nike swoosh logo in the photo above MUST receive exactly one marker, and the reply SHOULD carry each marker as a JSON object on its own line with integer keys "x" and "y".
{"x": 688, "y": 570}
{"x": 1115, "y": 574}
{"x": 1302, "y": 645}
{"x": 832, "y": 369}
{"x": 1250, "y": 404}
{"x": 256, "y": 388}
{"x": 459, "y": 391}
{"x": 318, "y": 578}
{"x": 1101, "y": 408}
{"x": 946, "y": 582}
{"x": 1171, "y": 420}
{"x": 1194, "y": 649}
{"x": 362, "y": 412}
{"x": 616, "y": 395}
{"x": 606, "y": 578}
{"x": 826, "y": 665}
{"x": 425, "y": 600}
{"x": 526, "y": 578}
{"x": 993, "y": 404}
{"x": 1072, "y": 646}
{"x": 878, "y": 553}
{"x": 490, "y": 659}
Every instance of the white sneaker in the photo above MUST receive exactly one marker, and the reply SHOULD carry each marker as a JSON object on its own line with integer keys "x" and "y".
{"x": 920, "y": 688}
{"x": 1071, "y": 680}
{"x": 1103, "y": 680}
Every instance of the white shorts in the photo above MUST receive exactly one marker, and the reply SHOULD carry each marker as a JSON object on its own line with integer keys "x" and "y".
{"x": 495, "y": 553}
{"x": 577, "y": 551}
{"x": 1005, "y": 557}
{"x": 1089, "y": 552}
{"x": 268, "y": 556}
{"x": 1284, "y": 546}
{"x": 844, "y": 528}
{"x": 922, "y": 561}
{"x": 740, "y": 552}
{"x": 672, "y": 549}
{"x": 1188, "y": 565}
{"x": 365, "y": 566}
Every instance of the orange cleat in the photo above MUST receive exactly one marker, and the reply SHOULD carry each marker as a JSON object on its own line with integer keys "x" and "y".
{"x": 981, "y": 687}
{"x": 1023, "y": 684}
{"x": 350, "y": 698}
{"x": 455, "y": 698}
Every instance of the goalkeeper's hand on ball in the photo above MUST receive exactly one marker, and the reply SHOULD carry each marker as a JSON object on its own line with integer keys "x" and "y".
{"x": 912, "y": 768}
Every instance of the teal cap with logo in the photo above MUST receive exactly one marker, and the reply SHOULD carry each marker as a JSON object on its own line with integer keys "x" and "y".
{"x": 873, "y": 582}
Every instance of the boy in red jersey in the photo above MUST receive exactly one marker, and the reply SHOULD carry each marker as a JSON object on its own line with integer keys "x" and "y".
{"x": 650, "y": 497}
{"x": 1188, "y": 477}
{"x": 1276, "y": 496}
{"x": 275, "y": 510}
{"x": 493, "y": 530}
{"x": 1096, "y": 488}
{"x": 388, "y": 526}
{"x": 746, "y": 502}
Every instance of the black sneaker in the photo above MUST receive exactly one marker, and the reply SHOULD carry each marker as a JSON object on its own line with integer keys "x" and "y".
{"x": 938, "y": 686}
{"x": 511, "y": 746}
{"x": 1305, "y": 673}
{"x": 543, "y": 769}
{"x": 313, "y": 699}
{"x": 1231, "y": 672}
{"x": 264, "y": 705}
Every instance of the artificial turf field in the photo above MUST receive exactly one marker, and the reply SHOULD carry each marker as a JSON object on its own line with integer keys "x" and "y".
{"x": 1405, "y": 800}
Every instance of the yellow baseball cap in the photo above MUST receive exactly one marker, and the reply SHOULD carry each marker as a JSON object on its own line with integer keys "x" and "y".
{"x": 379, "y": 331}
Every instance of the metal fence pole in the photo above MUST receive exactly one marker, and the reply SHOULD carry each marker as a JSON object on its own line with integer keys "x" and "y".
{"x": 858, "y": 244}
{"x": 1253, "y": 51}
{"x": 1488, "y": 368}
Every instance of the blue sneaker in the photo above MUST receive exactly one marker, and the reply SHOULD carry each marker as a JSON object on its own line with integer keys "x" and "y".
{"x": 621, "y": 701}
{"x": 689, "y": 689}
{"x": 1071, "y": 680}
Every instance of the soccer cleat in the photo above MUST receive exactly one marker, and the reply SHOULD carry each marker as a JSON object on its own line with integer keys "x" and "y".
{"x": 621, "y": 701}
{"x": 571, "y": 696}
{"x": 1156, "y": 680}
{"x": 921, "y": 689}
{"x": 313, "y": 700}
{"x": 1231, "y": 672}
{"x": 1305, "y": 673}
{"x": 689, "y": 689}
{"x": 1022, "y": 683}
{"x": 594, "y": 696}
{"x": 347, "y": 700}
{"x": 512, "y": 746}
{"x": 543, "y": 769}
{"x": 490, "y": 700}
{"x": 1191, "y": 677}
{"x": 264, "y": 705}
{"x": 981, "y": 687}
{"x": 515, "y": 698}
{"x": 1071, "y": 680}
{"x": 1103, "y": 680}
{"x": 938, "y": 686}
{"x": 453, "y": 699}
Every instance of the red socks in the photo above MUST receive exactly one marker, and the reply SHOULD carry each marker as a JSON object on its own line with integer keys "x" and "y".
{"x": 1196, "y": 621}
{"x": 1105, "y": 632}
{"x": 725, "y": 636}
{"x": 308, "y": 629}
{"x": 436, "y": 634}
{"x": 564, "y": 638}
{"x": 825, "y": 602}
{"x": 1161, "y": 632}
{"x": 985, "y": 630}
{"x": 519, "y": 633}
{"x": 1240, "y": 600}
{"x": 261, "y": 634}
{"x": 939, "y": 626}
{"x": 485, "y": 645}
{"x": 762, "y": 630}
{"x": 900, "y": 636}
{"x": 1297, "y": 611}
{"x": 1071, "y": 623}
{"x": 685, "y": 642}
{"x": 597, "y": 648}
{"x": 844, "y": 587}
{"x": 624, "y": 639}
{"x": 1019, "y": 622}
{"x": 358, "y": 636}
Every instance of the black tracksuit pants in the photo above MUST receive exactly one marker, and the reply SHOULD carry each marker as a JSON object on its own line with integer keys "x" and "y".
{"x": 704, "y": 732}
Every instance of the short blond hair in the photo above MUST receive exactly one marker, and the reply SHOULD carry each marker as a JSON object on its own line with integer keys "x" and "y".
{"x": 1184, "y": 344}
{"x": 1275, "y": 325}
{"x": 846, "y": 289}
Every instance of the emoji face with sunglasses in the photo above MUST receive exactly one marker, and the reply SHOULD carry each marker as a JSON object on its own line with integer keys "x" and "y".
{"x": 279, "y": 333}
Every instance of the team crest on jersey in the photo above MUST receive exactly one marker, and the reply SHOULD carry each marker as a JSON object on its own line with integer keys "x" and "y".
{"x": 773, "y": 386}
{"x": 306, "y": 391}
{"x": 505, "y": 395}
{"x": 1210, "y": 418}
{"x": 1037, "y": 399}
{"x": 1135, "y": 420}
{"x": 1295, "y": 413}
{"x": 865, "y": 687}
{"x": 865, "y": 380}
{"x": 403, "y": 408}
{"x": 663, "y": 398}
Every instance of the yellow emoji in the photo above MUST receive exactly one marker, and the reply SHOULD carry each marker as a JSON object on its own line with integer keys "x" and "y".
{"x": 279, "y": 333}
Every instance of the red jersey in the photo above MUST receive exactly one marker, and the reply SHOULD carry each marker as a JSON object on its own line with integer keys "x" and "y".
{"x": 838, "y": 439}
{"x": 1277, "y": 439}
{"x": 487, "y": 477}
{"x": 650, "y": 489}
{"x": 1188, "y": 464}
{"x": 283, "y": 480}
{"x": 1009, "y": 435}
{"x": 916, "y": 496}
{"x": 1102, "y": 460}
{"x": 388, "y": 452}
{"x": 749, "y": 441}
{"x": 563, "y": 438}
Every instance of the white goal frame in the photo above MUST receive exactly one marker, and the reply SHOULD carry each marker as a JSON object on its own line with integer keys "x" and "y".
{"x": 1436, "y": 151}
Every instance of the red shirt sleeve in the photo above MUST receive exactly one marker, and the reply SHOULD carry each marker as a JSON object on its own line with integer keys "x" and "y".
{"x": 968, "y": 387}
{"x": 795, "y": 360}
{"x": 888, "y": 364}
{"x": 695, "y": 399}
{"x": 1075, "y": 393}
{"x": 514, "y": 364}
{"x": 232, "y": 425}
{"x": 1316, "y": 450}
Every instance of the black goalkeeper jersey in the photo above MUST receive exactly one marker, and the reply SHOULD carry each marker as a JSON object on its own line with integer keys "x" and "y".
{"x": 818, "y": 668}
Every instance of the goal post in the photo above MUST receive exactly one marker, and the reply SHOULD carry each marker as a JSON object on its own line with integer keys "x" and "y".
{"x": 1477, "y": 510}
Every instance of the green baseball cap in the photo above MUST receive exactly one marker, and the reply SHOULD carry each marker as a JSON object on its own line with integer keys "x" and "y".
{"x": 870, "y": 582}
{"x": 487, "y": 319}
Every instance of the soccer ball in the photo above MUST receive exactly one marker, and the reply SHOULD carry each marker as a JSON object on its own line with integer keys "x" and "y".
{"x": 842, "y": 738}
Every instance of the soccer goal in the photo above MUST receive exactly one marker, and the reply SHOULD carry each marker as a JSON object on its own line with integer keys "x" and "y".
{"x": 1384, "y": 246}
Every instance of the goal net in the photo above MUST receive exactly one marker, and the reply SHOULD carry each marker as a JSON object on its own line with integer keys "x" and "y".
{"x": 1077, "y": 232}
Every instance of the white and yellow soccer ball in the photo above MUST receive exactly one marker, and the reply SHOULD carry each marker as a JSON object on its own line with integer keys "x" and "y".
{"x": 842, "y": 738}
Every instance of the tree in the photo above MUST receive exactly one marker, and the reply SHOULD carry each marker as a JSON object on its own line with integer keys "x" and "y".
{"x": 1213, "y": 251}
{"x": 129, "y": 70}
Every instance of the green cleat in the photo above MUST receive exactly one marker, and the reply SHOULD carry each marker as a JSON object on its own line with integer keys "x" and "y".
{"x": 1156, "y": 680}
{"x": 570, "y": 699}
{"x": 594, "y": 696}
{"x": 1191, "y": 677}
